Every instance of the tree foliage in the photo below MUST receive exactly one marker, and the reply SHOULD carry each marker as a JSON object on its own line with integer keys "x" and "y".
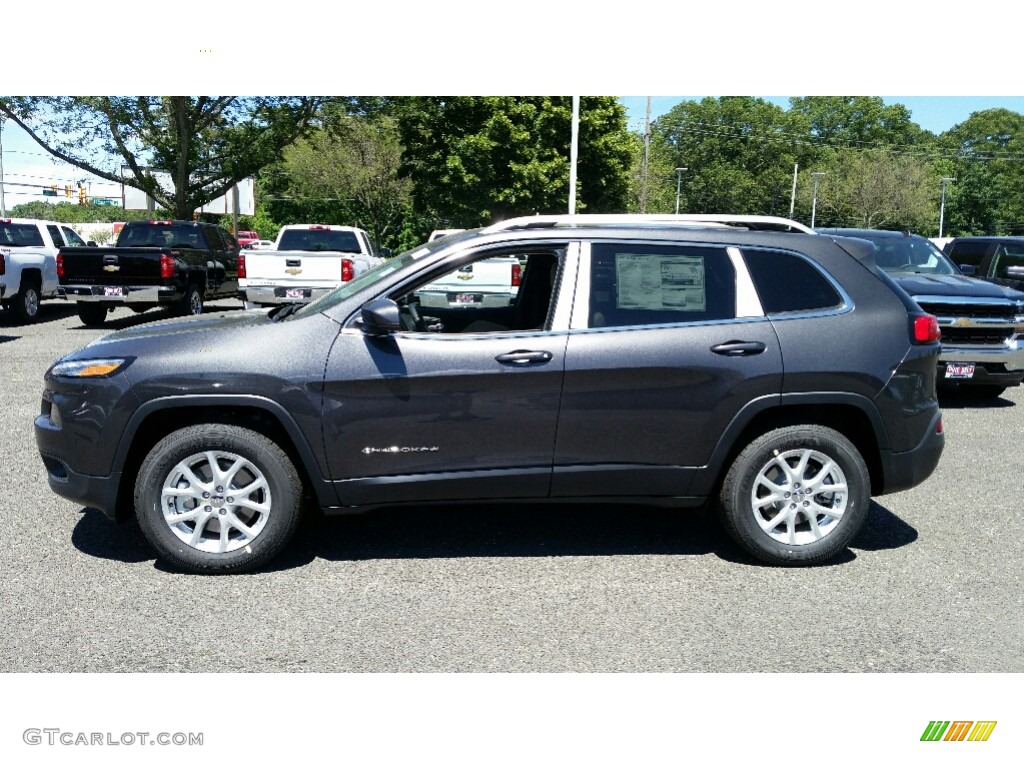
{"x": 477, "y": 159}
{"x": 207, "y": 144}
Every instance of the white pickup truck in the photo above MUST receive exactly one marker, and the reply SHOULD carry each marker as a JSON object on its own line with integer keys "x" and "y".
{"x": 307, "y": 261}
{"x": 28, "y": 263}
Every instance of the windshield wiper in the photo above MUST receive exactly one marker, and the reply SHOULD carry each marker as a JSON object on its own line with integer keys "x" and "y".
{"x": 284, "y": 311}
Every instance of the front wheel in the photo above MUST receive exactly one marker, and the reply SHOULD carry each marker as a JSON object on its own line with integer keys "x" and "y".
{"x": 216, "y": 498}
{"x": 796, "y": 496}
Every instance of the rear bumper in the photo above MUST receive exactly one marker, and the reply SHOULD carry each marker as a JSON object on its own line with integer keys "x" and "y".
{"x": 270, "y": 294}
{"x": 132, "y": 294}
{"x": 909, "y": 468}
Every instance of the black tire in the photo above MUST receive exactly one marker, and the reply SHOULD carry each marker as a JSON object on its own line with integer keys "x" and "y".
{"x": 91, "y": 314}
{"x": 265, "y": 464}
{"x": 793, "y": 540}
{"x": 987, "y": 391}
{"x": 25, "y": 304}
{"x": 192, "y": 302}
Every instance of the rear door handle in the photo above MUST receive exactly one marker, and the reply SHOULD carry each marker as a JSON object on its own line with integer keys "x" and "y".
{"x": 524, "y": 357}
{"x": 739, "y": 348}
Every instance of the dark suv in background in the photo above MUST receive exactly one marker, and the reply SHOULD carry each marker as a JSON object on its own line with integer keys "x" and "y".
{"x": 999, "y": 260}
{"x": 781, "y": 376}
{"x": 982, "y": 323}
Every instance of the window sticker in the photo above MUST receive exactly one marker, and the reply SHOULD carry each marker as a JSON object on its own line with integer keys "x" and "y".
{"x": 650, "y": 281}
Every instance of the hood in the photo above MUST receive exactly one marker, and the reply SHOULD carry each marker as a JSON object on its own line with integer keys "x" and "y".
{"x": 954, "y": 285}
{"x": 168, "y": 330}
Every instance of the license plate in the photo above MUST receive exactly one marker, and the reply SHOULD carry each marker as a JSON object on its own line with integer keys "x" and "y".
{"x": 465, "y": 298}
{"x": 959, "y": 370}
{"x": 113, "y": 291}
{"x": 294, "y": 293}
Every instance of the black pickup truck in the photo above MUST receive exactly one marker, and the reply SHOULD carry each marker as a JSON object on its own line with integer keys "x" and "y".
{"x": 999, "y": 260}
{"x": 179, "y": 264}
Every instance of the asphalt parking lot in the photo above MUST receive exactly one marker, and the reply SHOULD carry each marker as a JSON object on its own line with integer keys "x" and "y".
{"x": 932, "y": 584}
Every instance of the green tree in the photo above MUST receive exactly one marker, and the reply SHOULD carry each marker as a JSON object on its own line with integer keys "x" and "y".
{"x": 738, "y": 152}
{"x": 206, "y": 144}
{"x": 860, "y": 122}
{"x": 353, "y": 164}
{"x": 988, "y": 194}
{"x": 477, "y": 159}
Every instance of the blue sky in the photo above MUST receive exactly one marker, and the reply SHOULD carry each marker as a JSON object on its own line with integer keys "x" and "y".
{"x": 933, "y": 113}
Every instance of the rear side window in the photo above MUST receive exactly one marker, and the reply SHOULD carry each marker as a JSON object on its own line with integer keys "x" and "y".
{"x": 20, "y": 235}
{"x": 55, "y": 235}
{"x": 967, "y": 251}
{"x": 215, "y": 238}
{"x": 786, "y": 282}
{"x": 652, "y": 284}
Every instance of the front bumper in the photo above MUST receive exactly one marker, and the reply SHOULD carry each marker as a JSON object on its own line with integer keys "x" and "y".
{"x": 94, "y": 492}
{"x": 1002, "y": 365}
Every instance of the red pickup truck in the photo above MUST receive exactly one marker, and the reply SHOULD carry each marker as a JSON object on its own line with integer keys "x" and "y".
{"x": 246, "y": 236}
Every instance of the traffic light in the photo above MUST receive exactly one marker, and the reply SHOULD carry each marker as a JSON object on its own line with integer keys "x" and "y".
{"x": 67, "y": 190}
{"x": 53, "y": 190}
{"x": 81, "y": 194}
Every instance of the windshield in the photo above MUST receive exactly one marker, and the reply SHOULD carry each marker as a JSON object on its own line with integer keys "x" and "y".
{"x": 913, "y": 255}
{"x": 353, "y": 287}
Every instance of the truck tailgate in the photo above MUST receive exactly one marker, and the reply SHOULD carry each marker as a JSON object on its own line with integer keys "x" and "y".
{"x": 311, "y": 268}
{"x": 110, "y": 266}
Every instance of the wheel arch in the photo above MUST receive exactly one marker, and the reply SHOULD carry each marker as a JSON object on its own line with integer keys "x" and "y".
{"x": 158, "y": 418}
{"x": 852, "y": 415}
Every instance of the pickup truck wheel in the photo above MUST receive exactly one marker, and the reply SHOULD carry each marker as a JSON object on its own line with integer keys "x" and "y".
{"x": 26, "y": 303}
{"x": 216, "y": 498}
{"x": 796, "y": 496}
{"x": 192, "y": 301}
{"x": 91, "y": 315}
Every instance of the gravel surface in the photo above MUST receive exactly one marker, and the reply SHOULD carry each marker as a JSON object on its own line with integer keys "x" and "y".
{"x": 932, "y": 584}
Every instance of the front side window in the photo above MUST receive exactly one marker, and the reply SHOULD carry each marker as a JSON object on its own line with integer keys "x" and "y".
{"x": 72, "y": 237}
{"x": 651, "y": 284}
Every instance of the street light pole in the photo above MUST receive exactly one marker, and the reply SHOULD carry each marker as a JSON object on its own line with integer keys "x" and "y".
{"x": 942, "y": 205}
{"x": 679, "y": 183}
{"x": 814, "y": 195}
{"x": 3, "y": 203}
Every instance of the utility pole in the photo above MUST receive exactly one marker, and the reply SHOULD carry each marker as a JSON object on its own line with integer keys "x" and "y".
{"x": 792, "y": 197}
{"x": 942, "y": 205}
{"x": 3, "y": 203}
{"x": 814, "y": 197}
{"x": 679, "y": 184}
{"x": 647, "y": 151}
{"x": 574, "y": 151}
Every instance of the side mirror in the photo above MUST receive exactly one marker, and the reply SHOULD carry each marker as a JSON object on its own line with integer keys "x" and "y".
{"x": 968, "y": 269}
{"x": 385, "y": 253}
{"x": 379, "y": 318}
{"x": 90, "y": 243}
{"x": 1015, "y": 272}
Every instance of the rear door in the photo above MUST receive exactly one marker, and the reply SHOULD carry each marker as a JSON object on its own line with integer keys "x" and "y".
{"x": 668, "y": 342}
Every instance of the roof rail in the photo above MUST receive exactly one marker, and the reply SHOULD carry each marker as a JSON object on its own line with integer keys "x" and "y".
{"x": 687, "y": 219}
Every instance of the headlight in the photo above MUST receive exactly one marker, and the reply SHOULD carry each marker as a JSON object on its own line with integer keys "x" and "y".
{"x": 89, "y": 369}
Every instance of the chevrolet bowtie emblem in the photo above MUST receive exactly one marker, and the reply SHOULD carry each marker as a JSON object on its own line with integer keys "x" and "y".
{"x": 111, "y": 268}
{"x": 293, "y": 271}
{"x": 465, "y": 276}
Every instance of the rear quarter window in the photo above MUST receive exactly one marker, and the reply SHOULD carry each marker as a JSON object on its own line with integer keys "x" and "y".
{"x": 967, "y": 251}
{"x": 786, "y": 282}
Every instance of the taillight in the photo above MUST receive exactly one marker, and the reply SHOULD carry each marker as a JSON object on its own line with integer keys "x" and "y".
{"x": 60, "y": 265}
{"x": 3, "y": 266}
{"x": 517, "y": 274}
{"x": 348, "y": 270}
{"x": 166, "y": 266}
{"x": 160, "y": 223}
{"x": 241, "y": 265}
{"x": 938, "y": 427}
{"x": 926, "y": 329}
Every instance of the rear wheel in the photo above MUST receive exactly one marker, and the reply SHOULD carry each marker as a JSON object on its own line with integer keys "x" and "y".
{"x": 796, "y": 496}
{"x": 216, "y": 498}
{"x": 192, "y": 302}
{"x": 26, "y": 303}
{"x": 91, "y": 314}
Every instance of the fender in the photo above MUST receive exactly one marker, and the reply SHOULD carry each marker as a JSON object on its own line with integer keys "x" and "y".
{"x": 704, "y": 481}
{"x": 325, "y": 492}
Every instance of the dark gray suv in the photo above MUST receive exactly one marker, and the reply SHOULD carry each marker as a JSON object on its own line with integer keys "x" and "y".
{"x": 781, "y": 376}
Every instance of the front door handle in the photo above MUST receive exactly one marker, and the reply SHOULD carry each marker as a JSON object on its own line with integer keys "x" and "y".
{"x": 739, "y": 348}
{"x": 524, "y": 357}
